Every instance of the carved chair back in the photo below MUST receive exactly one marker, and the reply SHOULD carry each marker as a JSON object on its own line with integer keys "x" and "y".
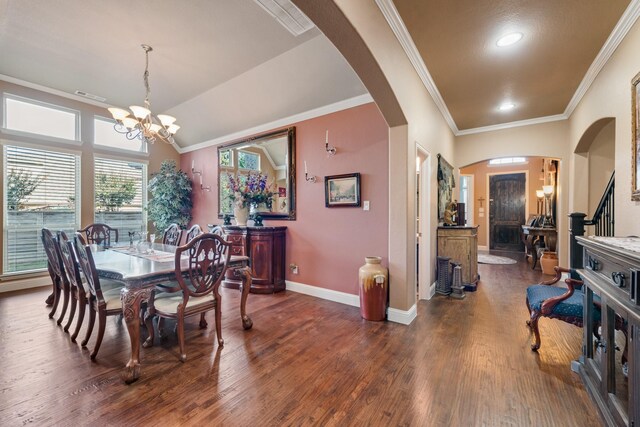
{"x": 52, "y": 250}
{"x": 208, "y": 256}
{"x": 88, "y": 267}
{"x": 69, "y": 261}
{"x": 194, "y": 231}
{"x": 216, "y": 229}
{"x": 100, "y": 234}
{"x": 172, "y": 235}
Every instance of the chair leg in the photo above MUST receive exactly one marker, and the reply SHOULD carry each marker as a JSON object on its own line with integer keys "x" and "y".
{"x": 56, "y": 300}
{"x": 82, "y": 302}
{"x": 148, "y": 320}
{"x": 50, "y": 299}
{"x": 219, "y": 320}
{"x": 535, "y": 316}
{"x": 65, "y": 303}
{"x": 180, "y": 327}
{"x": 102, "y": 323}
{"x": 92, "y": 321}
{"x": 203, "y": 321}
{"x": 161, "y": 333}
{"x": 72, "y": 312}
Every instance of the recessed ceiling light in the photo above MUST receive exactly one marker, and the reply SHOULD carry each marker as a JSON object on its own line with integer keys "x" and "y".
{"x": 506, "y": 106}
{"x": 509, "y": 39}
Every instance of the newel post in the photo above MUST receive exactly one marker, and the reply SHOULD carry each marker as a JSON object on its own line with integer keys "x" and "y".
{"x": 576, "y": 228}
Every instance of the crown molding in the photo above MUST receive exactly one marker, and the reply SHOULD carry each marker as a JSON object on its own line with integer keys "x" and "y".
{"x": 519, "y": 123}
{"x": 52, "y": 91}
{"x": 286, "y": 121}
{"x": 618, "y": 34}
{"x": 394, "y": 20}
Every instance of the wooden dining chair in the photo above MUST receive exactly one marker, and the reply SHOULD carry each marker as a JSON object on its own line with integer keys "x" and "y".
{"x": 172, "y": 235}
{"x": 77, "y": 287}
{"x": 194, "y": 231}
{"x": 196, "y": 291}
{"x": 216, "y": 229}
{"x": 57, "y": 274}
{"x": 100, "y": 234}
{"x": 101, "y": 302}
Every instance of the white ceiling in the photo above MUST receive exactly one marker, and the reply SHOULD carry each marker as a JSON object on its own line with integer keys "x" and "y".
{"x": 219, "y": 66}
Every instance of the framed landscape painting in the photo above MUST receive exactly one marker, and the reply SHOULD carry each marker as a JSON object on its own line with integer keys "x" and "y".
{"x": 342, "y": 190}
{"x": 635, "y": 138}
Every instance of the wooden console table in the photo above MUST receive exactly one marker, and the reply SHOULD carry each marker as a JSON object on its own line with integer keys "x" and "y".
{"x": 534, "y": 237}
{"x": 460, "y": 243}
{"x": 266, "y": 249}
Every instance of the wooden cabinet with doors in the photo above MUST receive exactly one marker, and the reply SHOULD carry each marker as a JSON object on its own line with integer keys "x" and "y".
{"x": 610, "y": 363}
{"x": 266, "y": 248}
{"x": 461, "y": 245}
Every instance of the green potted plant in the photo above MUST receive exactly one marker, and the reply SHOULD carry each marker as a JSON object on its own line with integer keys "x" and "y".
{"x": 170, "y": 200}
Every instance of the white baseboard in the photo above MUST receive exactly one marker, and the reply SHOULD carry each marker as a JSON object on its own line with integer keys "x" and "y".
{"x": 432, "y": 290}
{"x": 426, "y": 293}
{"x": 31, "y": 282}
{"x": 483, "y": 248}
{"x": 402, "y": 316}
{"x": 328, "y": 294}
{"x": 393, "y": 315}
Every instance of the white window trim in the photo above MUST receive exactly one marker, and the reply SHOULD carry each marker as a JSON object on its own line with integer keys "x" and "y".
{"x": 96, "y": 146}
{"x": 76, "y": 113}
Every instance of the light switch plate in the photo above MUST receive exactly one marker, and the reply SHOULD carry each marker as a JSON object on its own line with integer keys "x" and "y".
{"x": 365, "y": 205}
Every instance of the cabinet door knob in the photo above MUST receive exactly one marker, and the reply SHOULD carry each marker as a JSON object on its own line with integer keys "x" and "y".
{"x": 593, "y": 264}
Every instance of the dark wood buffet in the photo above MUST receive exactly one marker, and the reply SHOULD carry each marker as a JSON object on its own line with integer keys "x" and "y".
{"x": 266, "y": 249}
{"x": 610, "y": 363}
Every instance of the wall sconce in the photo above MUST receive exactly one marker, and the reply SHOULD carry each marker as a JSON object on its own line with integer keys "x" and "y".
{"x": 540, "y": 196}
{"x": 194, "y": 171}
{"x": 330, "y": 150}
{"x": 307, "y": 177}
{"x": 202, "y": 187}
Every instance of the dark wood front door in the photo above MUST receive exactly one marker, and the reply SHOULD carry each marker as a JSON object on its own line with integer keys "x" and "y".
{"x": 507, "y": 201}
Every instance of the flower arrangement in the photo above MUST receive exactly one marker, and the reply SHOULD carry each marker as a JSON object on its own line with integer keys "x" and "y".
{"x": 252, "y": 191}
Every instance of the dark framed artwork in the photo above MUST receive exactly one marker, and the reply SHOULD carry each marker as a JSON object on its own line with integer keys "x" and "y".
{"x": 635, "y": 135}
{"x": 342, "y": 190}
{"x": 446, "y": 184}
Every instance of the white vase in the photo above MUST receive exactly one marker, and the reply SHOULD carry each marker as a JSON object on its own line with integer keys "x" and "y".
{"x": 241, "y": 215}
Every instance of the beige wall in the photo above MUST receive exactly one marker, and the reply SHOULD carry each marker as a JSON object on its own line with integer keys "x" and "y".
{"x": 610, "y": 96}
{"x": 157, "y": 152}
{"x": 601, "y": 164}
{"x": 480, "y": 172}
{"x": 425, "y": 127}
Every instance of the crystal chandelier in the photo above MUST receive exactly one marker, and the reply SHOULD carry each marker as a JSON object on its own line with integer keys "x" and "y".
{"x": 143, "y": 125}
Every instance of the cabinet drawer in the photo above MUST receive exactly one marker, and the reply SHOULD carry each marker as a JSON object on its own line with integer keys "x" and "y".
{"x": 237, "y": 250}
{"x": 614, "y": 272}
{"x": 235, "y": 239}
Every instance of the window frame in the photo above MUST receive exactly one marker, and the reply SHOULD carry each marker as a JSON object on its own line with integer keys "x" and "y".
{"x": 9, "y": 96}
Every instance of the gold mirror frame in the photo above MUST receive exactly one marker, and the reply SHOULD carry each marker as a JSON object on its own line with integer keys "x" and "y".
{"x": 290, "y": 133}
{"x": 635, "y": 138}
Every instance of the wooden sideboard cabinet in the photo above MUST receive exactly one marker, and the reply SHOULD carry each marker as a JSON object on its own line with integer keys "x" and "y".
{"x": 266, "y": 249}
{"x": 460, "y": 243}
{"x": 610, "y": 363}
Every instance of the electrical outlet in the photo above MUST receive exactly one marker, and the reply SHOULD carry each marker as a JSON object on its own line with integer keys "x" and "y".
{"x": 365, "y": 205}
{"x": 293, "y": 268}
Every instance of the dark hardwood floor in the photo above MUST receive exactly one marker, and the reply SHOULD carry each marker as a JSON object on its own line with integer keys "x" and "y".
{"x": 305, "y": 362}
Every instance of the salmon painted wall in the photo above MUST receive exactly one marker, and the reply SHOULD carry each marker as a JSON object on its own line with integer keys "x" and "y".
{"x": 327, "y": 244}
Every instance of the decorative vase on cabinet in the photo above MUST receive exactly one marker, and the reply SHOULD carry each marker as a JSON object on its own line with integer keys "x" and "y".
{"x": 373, "y": 283}
{"x": 241, "y": 215}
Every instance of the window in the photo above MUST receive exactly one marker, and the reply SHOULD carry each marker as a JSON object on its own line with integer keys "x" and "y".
{"x": 105, "y": 135}
{"x": 41, "y": 190}
{"x": 507, "y": 161}
{"x": 466, "y": 197}
{"x": 225, "y": 202}
{"x": 248, "y": 160}
{"x": 226, "y": 158}
{"x": 120, "y": 189}
{"x": 26, "y": 115}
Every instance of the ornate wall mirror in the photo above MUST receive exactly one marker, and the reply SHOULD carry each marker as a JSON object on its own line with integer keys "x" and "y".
{"x": 270, "y": 156}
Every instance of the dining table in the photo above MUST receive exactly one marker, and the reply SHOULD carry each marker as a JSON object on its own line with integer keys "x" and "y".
{"x": 140, "y": 273}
